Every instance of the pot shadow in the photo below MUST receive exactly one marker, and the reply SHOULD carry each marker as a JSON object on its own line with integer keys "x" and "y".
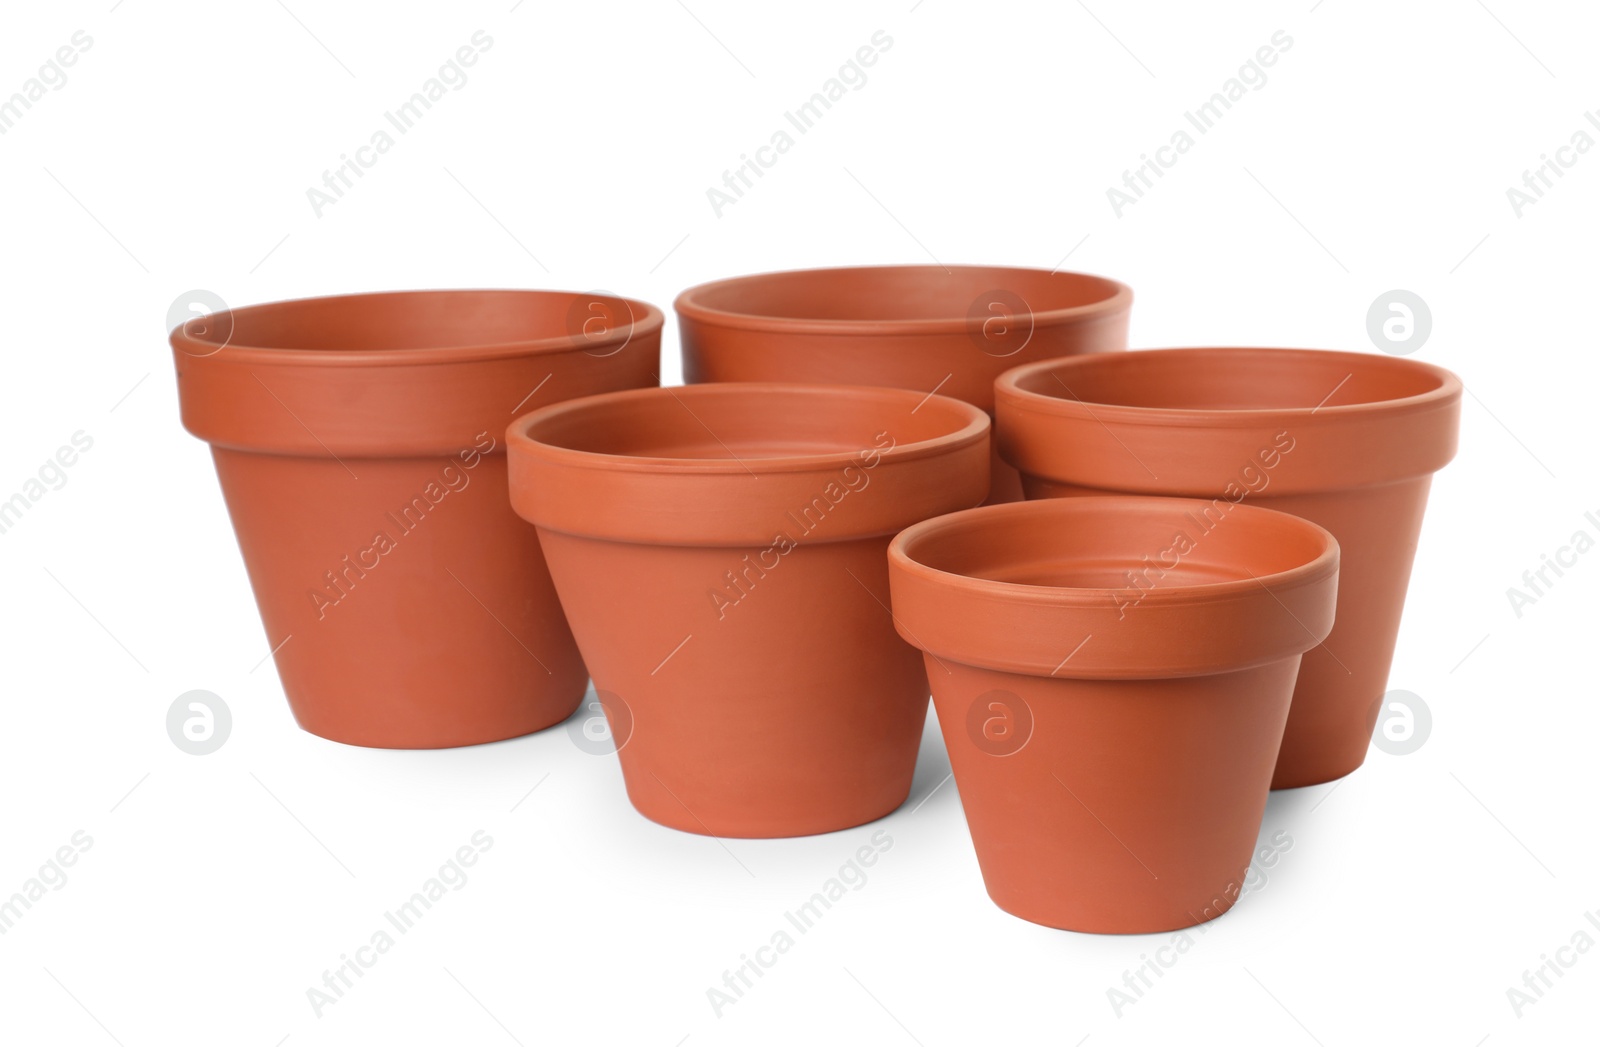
{"x": 932, "y": 783}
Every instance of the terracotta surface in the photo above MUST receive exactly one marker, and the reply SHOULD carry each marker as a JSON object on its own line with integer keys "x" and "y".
{"x": 921, "y": 327}
{"x": 719, "y": 551}
{"x": 360, "y": 445}
{"x": 1112, "y": 679}
{"x": 1348, "y": 440}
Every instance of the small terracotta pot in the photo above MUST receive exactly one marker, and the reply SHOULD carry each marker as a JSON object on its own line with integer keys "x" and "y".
{"x": 359, "y": 445}
{"x": 719, "y": 551}
{"x": 1348, "y": 440}
{"x": 952, "y": 329}
{"x": 1112, "y": 726}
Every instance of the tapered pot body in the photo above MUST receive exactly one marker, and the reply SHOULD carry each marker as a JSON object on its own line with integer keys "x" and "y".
{"x": 1113, "y": 731}
{"x": 359, "y": 443}
{"x": 720, "y": 553}
{"x": 951, "y": 329}
{"x": 1347, "y": 440}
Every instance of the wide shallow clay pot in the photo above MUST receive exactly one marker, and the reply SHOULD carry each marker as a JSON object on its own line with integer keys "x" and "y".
{"x": 360, "y": 445}
{"x": 930, "y": 328}
{"x": 1112, "y": 725}
{"x": 1348, "y": 440}
{"x": 720, "y": 553}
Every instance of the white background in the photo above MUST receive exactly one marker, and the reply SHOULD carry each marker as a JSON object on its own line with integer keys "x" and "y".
{"x": 219, "y": 888}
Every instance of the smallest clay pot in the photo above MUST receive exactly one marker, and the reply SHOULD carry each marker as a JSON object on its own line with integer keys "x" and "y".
{"x": 1112, "y": 677}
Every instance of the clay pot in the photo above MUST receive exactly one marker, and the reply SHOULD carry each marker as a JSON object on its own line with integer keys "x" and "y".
{"x": 1348, "y": 440}
{"x": 359, "y": 443}
{"x": 719, "y": 551}
{"x": 1112, "y": 677}
{"x": 924, "y": 327}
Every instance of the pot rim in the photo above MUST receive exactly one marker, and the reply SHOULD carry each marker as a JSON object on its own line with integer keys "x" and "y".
{"x": 1008, "y": 386}
{"x": 1320, "y": 567}
{"x": 648, "y": 319}
{"x": 520, "y": 436}
{"x": 687, "y": 304}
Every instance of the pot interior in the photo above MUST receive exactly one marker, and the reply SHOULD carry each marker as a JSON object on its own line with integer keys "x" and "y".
{"x": 417, "y": 320}
{"x": 722, "y": 421}
{"x": 1127, "y": 543}
{"x": 898, "y": 293}
{"x": 1232, "y": 379}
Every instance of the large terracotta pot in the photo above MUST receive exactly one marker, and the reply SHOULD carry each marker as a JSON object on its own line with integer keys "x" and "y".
{"x": 1348, "y": 440}
{"x": 1113, "y": 741}
{"x": 359, "y": 444}
{"x": 929, "y": 328}
{"x": 720, "y": 553}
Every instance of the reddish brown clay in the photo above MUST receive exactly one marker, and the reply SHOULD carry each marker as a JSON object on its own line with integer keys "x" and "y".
{"x": 1112, "y": 726}
{"x": 1348, "y": 440}
{"x": 719, "y": 551}
{"x": 359, "y": 443}
{"x": 923, "y": 327}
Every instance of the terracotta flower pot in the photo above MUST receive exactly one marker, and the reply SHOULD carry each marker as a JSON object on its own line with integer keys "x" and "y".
{"x": 1348, "y": 440}
{"x": 1112, "y": 726}
{"x": 359, "y": 443}
{"x": 719, "y": 551}
{"x": 923, "y": 327}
